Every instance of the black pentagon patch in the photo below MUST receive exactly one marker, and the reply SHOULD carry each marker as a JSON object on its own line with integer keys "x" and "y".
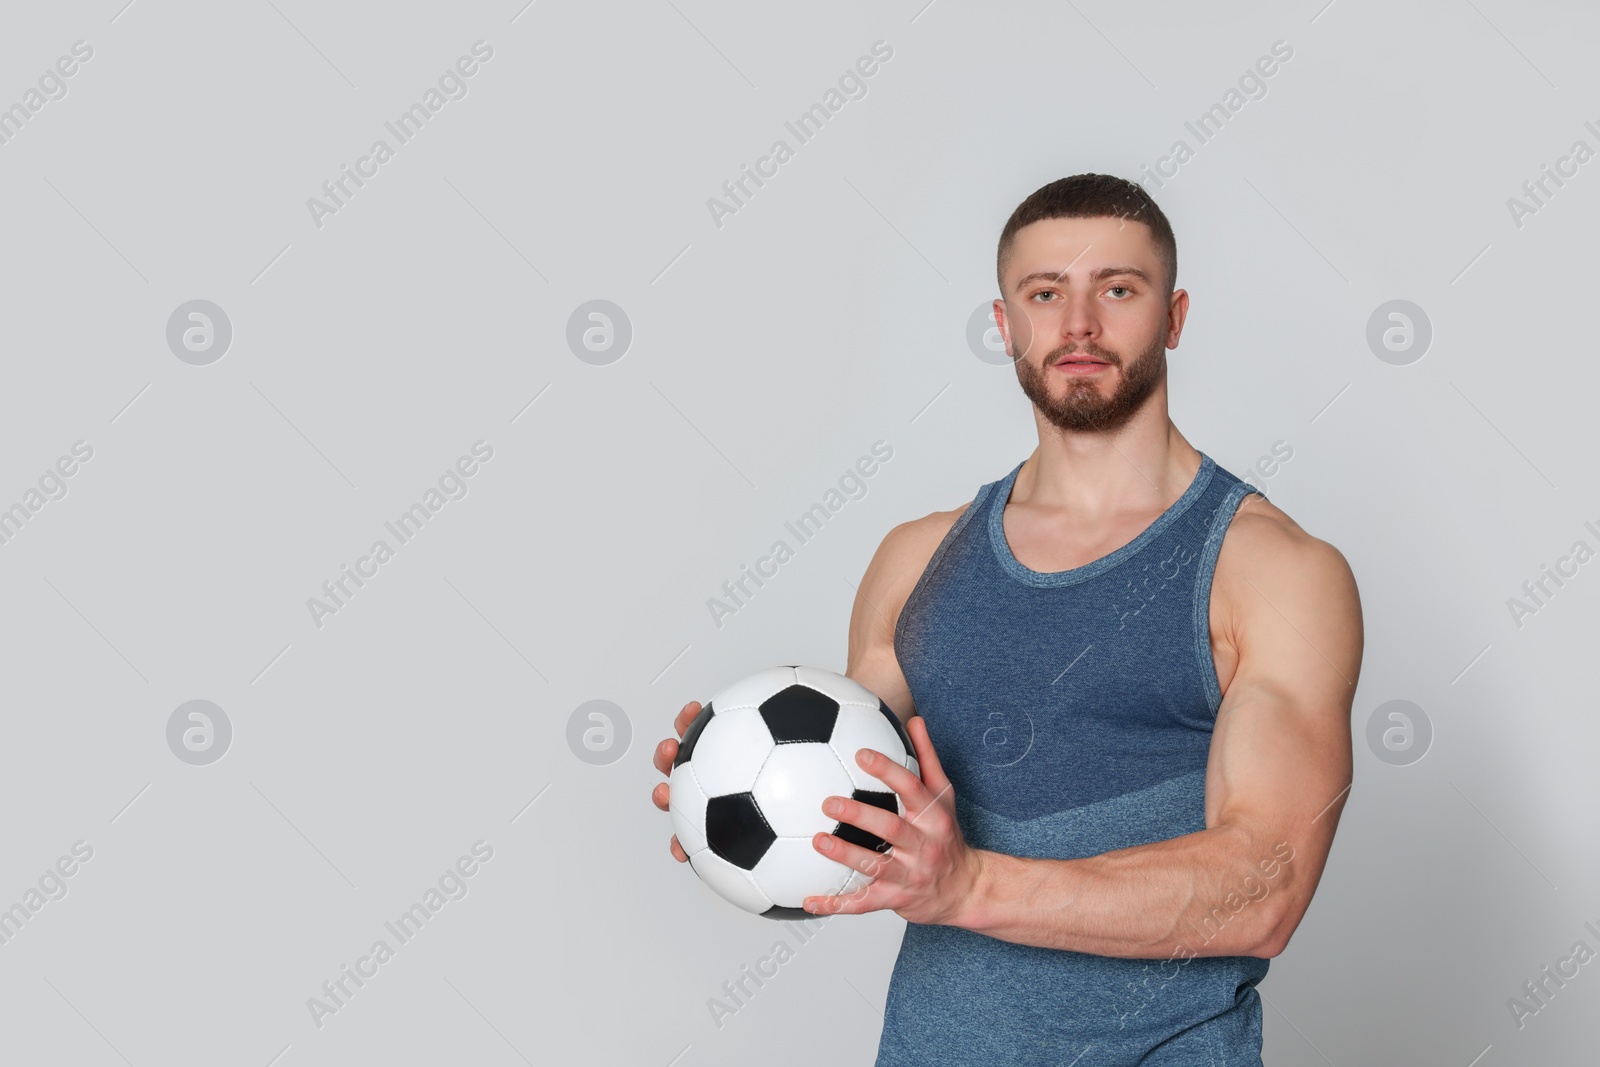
{"x": 800, "y": 713}
{"x": 692, "y": 734}
{"x": 780, "y": 912}
{"x": 899, "y": 728}
{"x": 736, "y": 829}
{"x": 857, "y": 836}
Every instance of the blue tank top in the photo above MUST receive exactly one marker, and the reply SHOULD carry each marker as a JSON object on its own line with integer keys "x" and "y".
{"x": 1072, "y": 711}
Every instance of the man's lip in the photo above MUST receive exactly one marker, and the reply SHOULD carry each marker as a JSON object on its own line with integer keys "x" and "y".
{"x": 1079, "y": 359}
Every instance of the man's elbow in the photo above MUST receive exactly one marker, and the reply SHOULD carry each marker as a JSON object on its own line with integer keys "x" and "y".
{"x": 1268, "y": 948}
{"x": 1277, "y": 931}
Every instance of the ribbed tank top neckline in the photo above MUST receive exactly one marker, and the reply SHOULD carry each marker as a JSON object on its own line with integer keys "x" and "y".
{"x": 1001, "y": 493}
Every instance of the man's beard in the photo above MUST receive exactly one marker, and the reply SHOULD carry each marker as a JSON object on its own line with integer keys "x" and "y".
{"x": 1084, "y": 407}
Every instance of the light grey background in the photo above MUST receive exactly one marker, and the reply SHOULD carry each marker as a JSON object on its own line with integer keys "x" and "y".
{"x": 767, "y": 355}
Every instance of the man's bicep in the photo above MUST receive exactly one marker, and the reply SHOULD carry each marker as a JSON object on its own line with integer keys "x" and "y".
{"x": 883, "y": 676}
{"x": 1280, "y": 754}
{"x": 896, "y": 567}
{"x": 879, "y": 597}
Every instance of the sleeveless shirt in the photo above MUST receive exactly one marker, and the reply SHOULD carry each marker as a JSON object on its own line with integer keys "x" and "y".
{"x": 1072, "y": 711}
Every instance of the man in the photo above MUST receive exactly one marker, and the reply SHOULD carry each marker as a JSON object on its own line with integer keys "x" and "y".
{"x": 1128, "y": 678}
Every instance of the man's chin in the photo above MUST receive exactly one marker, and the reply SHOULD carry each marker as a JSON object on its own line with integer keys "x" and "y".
{"x": 1085, "y": 407}
{"x": 1077, "y": 420}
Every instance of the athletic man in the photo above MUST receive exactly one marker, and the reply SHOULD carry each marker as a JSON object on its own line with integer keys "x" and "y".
{"x": 1128, "y": 677}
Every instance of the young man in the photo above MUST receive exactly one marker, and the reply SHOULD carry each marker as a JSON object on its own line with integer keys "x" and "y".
{"x": 1128, "y": 677}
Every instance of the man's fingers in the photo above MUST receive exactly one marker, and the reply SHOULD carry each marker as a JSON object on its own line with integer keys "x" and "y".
{"x": 912, "y": 792}
{"x": 686, "y": 716}
{"x": 884, "y": 824}
{"x": 927, "y": 759}
{"x": 666, "y": 752}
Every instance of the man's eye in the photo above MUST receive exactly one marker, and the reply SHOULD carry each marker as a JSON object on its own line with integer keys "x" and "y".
{"x": 1124, "y": 288}
{"x": 1043, "y": 292}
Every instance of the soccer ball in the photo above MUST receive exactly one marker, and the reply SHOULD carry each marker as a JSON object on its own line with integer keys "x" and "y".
{"x": 751, "y": 775}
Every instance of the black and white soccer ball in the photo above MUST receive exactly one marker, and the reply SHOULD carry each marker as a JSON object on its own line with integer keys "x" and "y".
{"x": 753, "y": 770}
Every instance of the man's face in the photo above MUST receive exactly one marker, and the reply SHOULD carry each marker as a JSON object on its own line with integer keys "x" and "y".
{"x": 1086, "y": 320}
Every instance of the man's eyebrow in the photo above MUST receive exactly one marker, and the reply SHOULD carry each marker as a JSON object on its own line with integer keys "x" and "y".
{"x": 1094, "y": 276}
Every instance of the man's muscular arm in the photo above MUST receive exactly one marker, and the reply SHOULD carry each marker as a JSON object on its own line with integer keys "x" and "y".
{"x": 881, "y": 596}
{"x": 1278, "y": 773}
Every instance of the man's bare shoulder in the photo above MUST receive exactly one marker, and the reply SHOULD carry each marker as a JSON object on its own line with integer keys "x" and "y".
{"x": 902, "y": 557}
{"x": 885, "y": 588}
{"x": 908, "y": 547}
{"x": 916, "y": 535}
{"x": 1266, "y": 550}
{"x": 1262, "y": 530}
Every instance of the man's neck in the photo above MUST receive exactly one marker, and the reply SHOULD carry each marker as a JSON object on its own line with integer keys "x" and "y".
{"x": 1096, "y": 475}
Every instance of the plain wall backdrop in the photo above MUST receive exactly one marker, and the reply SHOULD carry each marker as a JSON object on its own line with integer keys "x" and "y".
{"x": 370, "y": 348}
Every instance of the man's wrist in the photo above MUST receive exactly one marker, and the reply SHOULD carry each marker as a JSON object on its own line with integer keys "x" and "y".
{"x": 976, "y": 910}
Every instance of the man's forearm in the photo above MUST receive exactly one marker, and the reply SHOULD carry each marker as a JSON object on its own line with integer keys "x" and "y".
{"x": 1217, "y": 892}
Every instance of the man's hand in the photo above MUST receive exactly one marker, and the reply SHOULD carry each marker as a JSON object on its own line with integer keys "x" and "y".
{"x": 930, "y": 871}
{"x": 666, "y": 752}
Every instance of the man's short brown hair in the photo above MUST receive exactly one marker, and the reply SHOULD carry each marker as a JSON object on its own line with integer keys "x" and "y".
{"x": 1084, "y": 196}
